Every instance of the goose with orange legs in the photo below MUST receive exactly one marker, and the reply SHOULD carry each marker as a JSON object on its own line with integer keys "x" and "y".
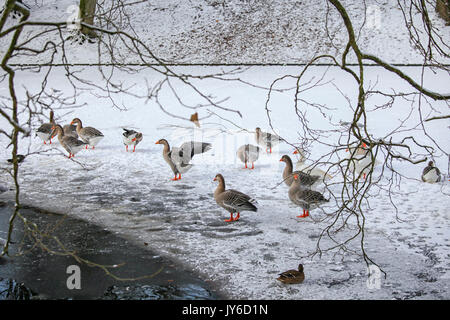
{"x": 305, "y": 198}
{"x": 45, "y": 131}
{"x": 178, "y": 158}
{"x": 71, "y": 144}
{"x": 89, "y": 135}
{"x": 174, "y": 160}
{"x": 232, "y": 200}
{"x": 248, "y": 153}
{"x": 267, "y": 140}
{"x": 131, "y": 138}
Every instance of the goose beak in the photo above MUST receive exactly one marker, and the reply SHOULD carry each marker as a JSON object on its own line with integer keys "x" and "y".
{"x": 157, "y": 142}
{"x": 281, "y": 159}
{"x": 134, "y": 139}
{"x": 214, "y": 179}
{"x": 295, "y": 152}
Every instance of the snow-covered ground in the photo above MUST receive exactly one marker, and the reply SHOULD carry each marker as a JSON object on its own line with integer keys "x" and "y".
{"x": 132, "y": 194}
{"x": 234, "y": 31}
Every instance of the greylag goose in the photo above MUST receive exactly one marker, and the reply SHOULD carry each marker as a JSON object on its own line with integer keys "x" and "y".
{"x": 178, "y": 158}
{"x": 305, "y": 198}
{"x": 71, "y": 144}
{"x": 305, "y": 179}
{"x": 131, "y": 137}
{"x": 292, "y": 276}
{"x": 70, "y": 130}
{"x": 232, "y": 200}
{"x": 431, "y": 174}
{"x": 248, "y": 153}
{"x": 45, "y": 131}
{"x": 301, "y": 166}
{"x": 267, "y": 140}
{"x": 361, "y": 160}
{"x": 89, "y": 135}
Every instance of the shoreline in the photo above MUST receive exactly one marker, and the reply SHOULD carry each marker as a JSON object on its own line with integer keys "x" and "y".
{"x": 45, "y": 275}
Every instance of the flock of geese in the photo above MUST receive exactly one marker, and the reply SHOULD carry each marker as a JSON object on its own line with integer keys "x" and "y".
{"x": 74, "y": 137}
{"x": 301, "y": 182}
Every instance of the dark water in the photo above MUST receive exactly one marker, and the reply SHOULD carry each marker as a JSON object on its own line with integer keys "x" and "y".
{"x": 37, "y": 274}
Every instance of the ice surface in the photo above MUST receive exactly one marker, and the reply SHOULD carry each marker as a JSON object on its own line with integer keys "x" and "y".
{"x": 131, "y": 193}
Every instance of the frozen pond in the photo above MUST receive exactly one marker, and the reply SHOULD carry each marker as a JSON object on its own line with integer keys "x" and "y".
{"x": 131, "y": 195}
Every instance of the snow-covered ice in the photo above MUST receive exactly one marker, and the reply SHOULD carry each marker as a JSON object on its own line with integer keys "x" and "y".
{"x": 131, "y": 193}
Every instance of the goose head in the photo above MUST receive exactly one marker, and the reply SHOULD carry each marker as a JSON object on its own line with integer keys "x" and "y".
{"x": 162, "y": 141}
{"x": 76, "y": 121}
{"x": 219, "y": 178}
{"x": 56, "y": 128}
{"x": 285, "y": 159}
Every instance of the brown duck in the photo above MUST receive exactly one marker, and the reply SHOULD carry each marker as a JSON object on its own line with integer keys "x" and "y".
{"x": 231, "y": 200}
{"x": 292, "y": 276}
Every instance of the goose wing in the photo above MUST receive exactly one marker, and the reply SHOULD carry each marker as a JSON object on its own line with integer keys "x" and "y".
{"x": 248, "y": 152}
{"x": 92, "y": 132}
{"x": 428, "y": 169}
{"x": 70, "y": 130}
{"x": 176, "y": 156}
{"x": 270, "y": 138}
{"x": 129, "y": 133}
{"x": 191, "y": 148}
{"x": 310, "y": 196}
{"x": 73, "y": 142}
{"x": 306, "y": 179}
{"x": 45, "y": 128}
{"x": 252, "y": 152}
{"x": 238, "y": 201}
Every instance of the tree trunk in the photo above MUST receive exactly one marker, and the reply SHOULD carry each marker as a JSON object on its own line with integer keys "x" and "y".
{"x": 87, "y": 13}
